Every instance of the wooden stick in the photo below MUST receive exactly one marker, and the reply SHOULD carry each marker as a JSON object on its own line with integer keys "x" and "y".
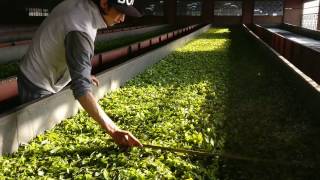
{"x": 200, "y": 153}
{"x": 225, "y": 155}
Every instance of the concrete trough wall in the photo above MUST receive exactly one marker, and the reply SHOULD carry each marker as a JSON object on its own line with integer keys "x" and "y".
{"x": 16, "y": 36}
{"x": 15, "y": 50}
{"x": 133, "y": 32}
{"x": 137, "y": 47}
{"x": 25, "y": 122}
{"x": 315, "y": 34}
{"x": 12, "y": 53}
{"x": 307, "y": 89}
{"x": 16, "y": 32}
{"x": 17, "y": 28}
{"x": 303, "y": 57}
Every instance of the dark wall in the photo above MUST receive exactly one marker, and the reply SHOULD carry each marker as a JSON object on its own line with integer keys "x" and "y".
{"x": 227, "y": 20}
{"x": 146, "y": 20}
{"x": 185, "y": 20}
{"x": 14, "y": 11}
{"x": 11, "y": 11}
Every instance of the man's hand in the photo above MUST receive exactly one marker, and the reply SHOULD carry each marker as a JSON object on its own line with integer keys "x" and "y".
{"x": 121, "y": 137}
{"x": 125, "y": 139}
{"x": 95, "y": 81}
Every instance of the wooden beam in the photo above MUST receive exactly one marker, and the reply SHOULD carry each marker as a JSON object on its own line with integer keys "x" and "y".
{"x": 292, "y": 12}
{"x": 170, "y": 11}
{"x": 247, "y": 11}
{"x": 207, "y": 11}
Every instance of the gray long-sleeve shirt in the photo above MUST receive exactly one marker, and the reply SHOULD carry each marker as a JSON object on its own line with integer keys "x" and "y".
{"x": 79, "y": 51}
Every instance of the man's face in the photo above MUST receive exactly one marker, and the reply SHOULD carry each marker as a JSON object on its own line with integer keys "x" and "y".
{"x": 112, "y": 16}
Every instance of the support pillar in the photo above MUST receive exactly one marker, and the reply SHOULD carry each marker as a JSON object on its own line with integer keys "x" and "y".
{"x": 247, "y": 11}
{"x": 292, "y": 12}
{"x": 170, "y": 11}
{"x": 207, "y": 11}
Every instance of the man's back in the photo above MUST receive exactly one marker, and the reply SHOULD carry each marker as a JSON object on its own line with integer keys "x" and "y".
{"x": 45, "y": 62}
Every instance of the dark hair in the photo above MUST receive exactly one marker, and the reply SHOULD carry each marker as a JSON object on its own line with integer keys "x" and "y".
{"x": 97, "y": 2}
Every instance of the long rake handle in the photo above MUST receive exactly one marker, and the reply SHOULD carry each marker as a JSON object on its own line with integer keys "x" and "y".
{"x": 200, "y": 153}
{"x": 224, "y": 155}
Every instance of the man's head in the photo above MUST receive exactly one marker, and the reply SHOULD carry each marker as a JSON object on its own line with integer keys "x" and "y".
{"x": 114, "y": 11}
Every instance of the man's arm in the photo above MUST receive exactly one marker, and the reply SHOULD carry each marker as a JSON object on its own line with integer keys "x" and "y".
{"x": 79, "y": 51}
{"x": 121, "y": 137}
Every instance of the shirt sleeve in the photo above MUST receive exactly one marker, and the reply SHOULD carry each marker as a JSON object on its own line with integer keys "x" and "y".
{"x": 79, "y": 51}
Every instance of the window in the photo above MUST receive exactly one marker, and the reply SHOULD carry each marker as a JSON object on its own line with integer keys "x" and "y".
{"x": 189, "y": 8}
{"x": 37, "y": 12}
{"x": 152, "y": 7}
{"x": 268, "y": 8}
{"x": 310, "y": 14}
{"x": 228, "y": 8}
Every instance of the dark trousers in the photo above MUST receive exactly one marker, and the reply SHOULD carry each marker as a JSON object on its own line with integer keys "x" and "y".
{"x": 28, "y": 91}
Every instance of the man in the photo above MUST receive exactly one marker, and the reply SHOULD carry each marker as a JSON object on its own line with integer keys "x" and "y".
{"x": 61, "y": 52}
